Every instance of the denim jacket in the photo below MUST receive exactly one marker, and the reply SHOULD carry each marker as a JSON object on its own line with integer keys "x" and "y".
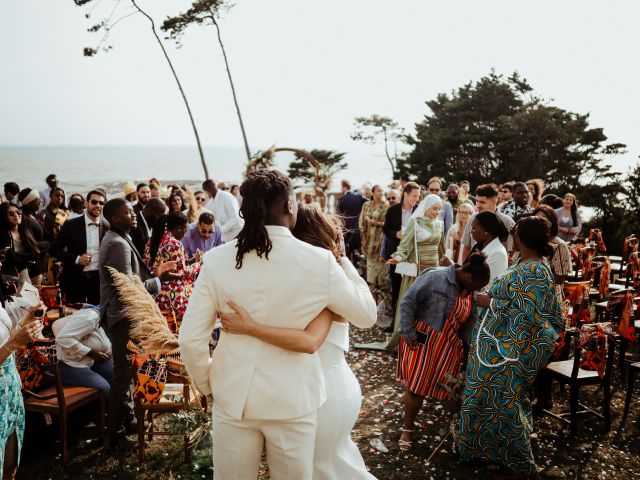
{"x": 430, "y": 300}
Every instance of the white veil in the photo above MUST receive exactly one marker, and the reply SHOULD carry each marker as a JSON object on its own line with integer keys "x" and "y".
{"x": 428, "y": 202}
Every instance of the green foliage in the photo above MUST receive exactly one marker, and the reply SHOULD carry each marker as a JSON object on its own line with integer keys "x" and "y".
{"x": 330, "y": 163}
{"x": 376, "y": 128}
{"x": 201, "y": 12}
{"x": 497, "y": 129}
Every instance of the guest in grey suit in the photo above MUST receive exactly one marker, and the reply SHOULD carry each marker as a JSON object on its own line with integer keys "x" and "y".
{"x": 117, "y": 251}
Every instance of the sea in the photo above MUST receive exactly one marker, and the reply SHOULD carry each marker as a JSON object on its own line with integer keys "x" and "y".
{"x": 80, "y": 168}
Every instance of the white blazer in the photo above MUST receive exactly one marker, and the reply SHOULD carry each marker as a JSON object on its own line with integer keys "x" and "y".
{"x": 249, "y": 378}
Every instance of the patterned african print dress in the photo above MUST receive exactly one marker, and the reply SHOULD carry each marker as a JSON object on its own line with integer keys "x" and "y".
{"x": 174, "y": 294}
{"x": 512, "y": 342}
{"x": 425, "y": 368}
{"x": 11, "y": 406}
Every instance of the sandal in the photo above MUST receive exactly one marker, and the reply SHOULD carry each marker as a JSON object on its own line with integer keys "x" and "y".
{"x": 405, "y": 445}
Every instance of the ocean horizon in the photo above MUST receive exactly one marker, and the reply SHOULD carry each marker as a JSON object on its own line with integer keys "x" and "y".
{"x": 79, "y": 168}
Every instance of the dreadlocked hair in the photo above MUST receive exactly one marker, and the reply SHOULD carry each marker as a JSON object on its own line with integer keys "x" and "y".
{"x": 260, "y": 190}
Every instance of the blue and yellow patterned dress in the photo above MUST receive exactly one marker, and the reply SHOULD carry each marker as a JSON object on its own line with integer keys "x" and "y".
{"x": 512, "y": 342}
{"x": 11, "y": 405}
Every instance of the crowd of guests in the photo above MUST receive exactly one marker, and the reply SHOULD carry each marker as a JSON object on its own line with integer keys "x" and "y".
{"x": 487, "y": 301}
{"x": 450, "y": 268}
{"x": 158, "y": 232}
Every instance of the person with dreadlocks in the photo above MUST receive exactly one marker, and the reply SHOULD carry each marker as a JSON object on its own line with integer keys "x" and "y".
{"x": 266, "y": 396}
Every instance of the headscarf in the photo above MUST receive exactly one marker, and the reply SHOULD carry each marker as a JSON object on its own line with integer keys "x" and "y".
{"x": 428, "y": 202}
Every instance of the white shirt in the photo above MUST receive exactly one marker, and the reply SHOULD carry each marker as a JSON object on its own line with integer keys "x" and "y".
{"x": 226, "y": 210}
{"x": 93, "y": 243}
{"x": 44, "y": 197}
{"x": 6, "y": 325}
{"x": 81, "y": 334}
{"x": 496, "y": 259}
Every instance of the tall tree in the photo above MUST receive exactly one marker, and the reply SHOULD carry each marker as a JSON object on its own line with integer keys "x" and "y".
{"x": 107, "y": 25}
{"x": 376, "y": 128}
{"x": 208, "y": 12}
{"x": 320, "y": 175}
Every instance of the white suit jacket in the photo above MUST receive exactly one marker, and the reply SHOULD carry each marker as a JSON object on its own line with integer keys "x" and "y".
{"x": 250, "y": 378}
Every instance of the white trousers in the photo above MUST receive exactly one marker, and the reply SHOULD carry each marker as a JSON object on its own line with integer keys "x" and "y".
{"x": 238, "y": 446}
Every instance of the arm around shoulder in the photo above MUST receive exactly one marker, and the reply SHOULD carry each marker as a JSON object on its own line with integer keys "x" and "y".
{"x": 349, "y": 294}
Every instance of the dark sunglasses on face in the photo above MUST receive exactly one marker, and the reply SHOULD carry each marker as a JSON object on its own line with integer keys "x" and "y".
{"x": 434, "y": 190}
{"x": 200, "y": 199}
{"x": 96, "y": 202}
{"x": 15, "y": 213}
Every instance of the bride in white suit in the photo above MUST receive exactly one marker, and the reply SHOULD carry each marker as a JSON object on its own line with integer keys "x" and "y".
{"x": 266, "y": 397}
{"x": 336, "y": 456}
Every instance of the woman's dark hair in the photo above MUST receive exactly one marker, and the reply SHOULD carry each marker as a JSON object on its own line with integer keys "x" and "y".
{"x": 64, "y": 197}
{"x": 314, "y": 227}
{"x": 165, "y": 222}
{"x": 538, "y": 188}
{"x": 552, "y": 200}
{"x": 574, "y": 208}
{"x": 493, "y": 225}
{"x": 177, "y": 192}
{"x": 24, "y": 229}
{"x": 550, "y": 214}
{"x": 535, "y": 233}
{"x": 260, "y": 191}
{"x": 476, "y": 265}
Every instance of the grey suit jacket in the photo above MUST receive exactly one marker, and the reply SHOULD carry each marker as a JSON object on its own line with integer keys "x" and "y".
{"x": 118, "y": 252}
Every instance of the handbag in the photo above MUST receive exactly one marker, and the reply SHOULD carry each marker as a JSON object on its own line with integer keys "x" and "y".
{"x": 410, "y": 269}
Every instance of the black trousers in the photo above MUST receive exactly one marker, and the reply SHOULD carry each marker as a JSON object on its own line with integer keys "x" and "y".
{"x": 84, "y": 288}
{"x": 396, "y": 280}
{"x": 119, "y": 410}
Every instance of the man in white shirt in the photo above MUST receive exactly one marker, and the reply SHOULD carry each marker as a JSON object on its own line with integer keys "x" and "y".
{"x": 77, "y": 246}
{"x": 226, "y": 210}
{"x": 84, "y": 351}
{"x": 265, "y": 396}
{"x": 52, "y": 182}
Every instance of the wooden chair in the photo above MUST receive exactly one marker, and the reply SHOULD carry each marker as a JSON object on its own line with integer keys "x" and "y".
{"x": 177, "y": 386}
{"x": 634, "y": 368}
{"x": 60, "y": 400}
{"x": 568, "y": 372}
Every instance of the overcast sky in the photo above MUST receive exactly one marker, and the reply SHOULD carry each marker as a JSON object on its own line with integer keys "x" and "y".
{"x": 305, "y": 68}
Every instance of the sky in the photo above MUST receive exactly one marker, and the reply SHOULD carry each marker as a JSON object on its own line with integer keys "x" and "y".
{"x": 304, "y": 69}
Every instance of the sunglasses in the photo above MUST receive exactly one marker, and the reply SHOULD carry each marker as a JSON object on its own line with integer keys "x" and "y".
{"x": 15, "y": 213}
{"x": 434, "y": 190}
{"x": 200, "y": 199}
{"x": 96, "y": 202}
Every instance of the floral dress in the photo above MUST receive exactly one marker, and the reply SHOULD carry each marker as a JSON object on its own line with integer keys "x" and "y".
{"x": 511, "y": 343}
{"x": 11, "y": 405}
{"x": 174, "y": 294}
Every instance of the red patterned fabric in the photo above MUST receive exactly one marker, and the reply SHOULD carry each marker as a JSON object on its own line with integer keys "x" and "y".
{"x": 174, "y": 294}
{"x": 578, "y": 297}
{"x": 593, "y": 340}
{"x": 595, "y": 235}
{"x": 605, "y": 271}
{"x": 626, "y": 326}
{"x": 425, "y": 368}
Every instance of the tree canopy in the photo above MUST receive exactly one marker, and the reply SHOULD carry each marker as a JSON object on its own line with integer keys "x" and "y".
{"x": 496, "y": 129}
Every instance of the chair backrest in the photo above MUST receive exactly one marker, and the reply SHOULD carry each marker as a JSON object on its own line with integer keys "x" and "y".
{"x": 48, "y": 365}
{"x": 594, "y": 350}
{"x": 577, "y": 294}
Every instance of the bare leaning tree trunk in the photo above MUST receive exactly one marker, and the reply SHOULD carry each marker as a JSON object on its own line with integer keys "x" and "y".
{"x": 175, "y": 75}
{"x": 233, "y": 89}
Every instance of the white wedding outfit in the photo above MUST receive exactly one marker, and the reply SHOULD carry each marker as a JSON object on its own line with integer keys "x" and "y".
{"x": 336, "y": 456}
{"x": 265, "y": 396}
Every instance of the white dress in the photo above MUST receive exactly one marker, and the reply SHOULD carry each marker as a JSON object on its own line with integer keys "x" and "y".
{"x": 336, "y": 456}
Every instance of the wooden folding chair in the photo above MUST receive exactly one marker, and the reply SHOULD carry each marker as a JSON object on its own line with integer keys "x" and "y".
{"x": 60, "y": 401}
{"x": 569, "y": 372}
